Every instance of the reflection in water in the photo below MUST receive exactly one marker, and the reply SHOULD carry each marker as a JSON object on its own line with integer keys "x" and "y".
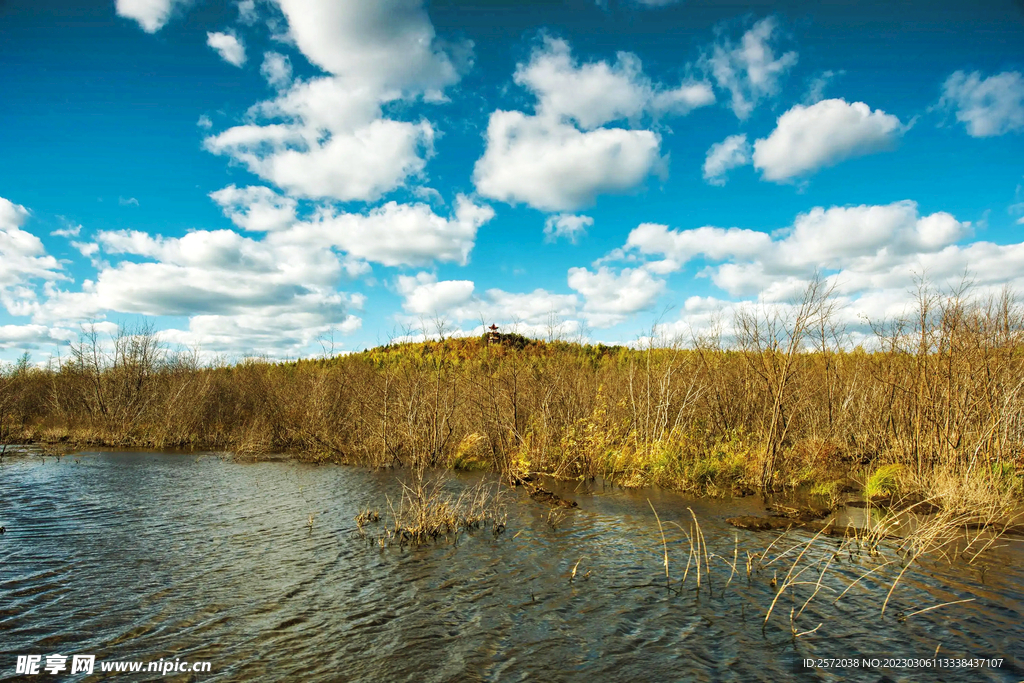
{"x": 149, "y": 556}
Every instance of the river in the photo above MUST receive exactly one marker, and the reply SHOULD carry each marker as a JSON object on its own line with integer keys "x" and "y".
{"x": 258, "y": 568}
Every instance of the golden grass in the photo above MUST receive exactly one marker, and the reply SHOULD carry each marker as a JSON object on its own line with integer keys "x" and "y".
{"x": 792, "y": 564}
{"x": 427, "y": 512}
{"x": 786, "y": 404}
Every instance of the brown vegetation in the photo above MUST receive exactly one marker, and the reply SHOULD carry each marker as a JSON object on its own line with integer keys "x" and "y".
{"x": 939, "y": 402}
{"x": 427, "y": 512}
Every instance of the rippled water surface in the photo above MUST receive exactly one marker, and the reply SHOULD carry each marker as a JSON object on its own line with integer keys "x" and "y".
{"x": 142, "y": 556}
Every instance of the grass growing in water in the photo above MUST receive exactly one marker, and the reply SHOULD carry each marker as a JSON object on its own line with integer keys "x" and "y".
{"x": 428, "y": 512}
{"x": 788, "y": 402}
{"x": 884, "y": 482}
{"x": 800, "y": 569}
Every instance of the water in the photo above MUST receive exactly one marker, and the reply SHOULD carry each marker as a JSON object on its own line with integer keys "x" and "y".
{"x": 133, "y": 556}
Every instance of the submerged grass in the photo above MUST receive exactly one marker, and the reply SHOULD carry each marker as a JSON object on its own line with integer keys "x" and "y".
{"x": 800, "y": 568}
{"x": 428, "y": 512}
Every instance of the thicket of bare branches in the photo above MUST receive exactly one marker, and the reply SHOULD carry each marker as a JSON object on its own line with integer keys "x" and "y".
{"x": 787, "y": 402}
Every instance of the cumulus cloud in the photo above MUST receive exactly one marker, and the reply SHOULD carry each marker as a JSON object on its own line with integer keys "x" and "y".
{"x": 749, "y": 70}
{"x": 597, "y": 93}
{"x": 28, "y": 336}
{"x": 228, "y": 46}
{"x": 986, "y": 106}
{"x": 204, "y": 122}
{"x": 277, "y": 69}
{"x": 557, "y": 167}
{"x": 680, "y": 246}
{"x": 328, "y": 137}
{"x": 423, "y": 295}
{"x": 839, "y": 238}
{"x": 808, "y": 138}
{"x": 23, "y": 261}
{"x": 539, "y": 313}
{"x": 566, "y": 225}
{"x": 150, "y": 14}
{"x": 256, "y": 208}
{"x": 397, "y": 234}
{"x": 273, "y": 294}
{"x": 274, "y": 290}
{"x": 383, "y": 45}
{"x": 873, "y": 255}
{"x": 534, "y": 308}
{"x": 563, "y": 156}
{"x": 611, "y": 297}
{"x": 332, "y": 144}
{"x": 724, "y": 156}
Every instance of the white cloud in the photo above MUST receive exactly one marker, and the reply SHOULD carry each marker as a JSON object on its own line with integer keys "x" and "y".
{"x": 680, "y": 246}
{"x": 851, "y": 239}
{"x": 327, "y": 137}
{"x": 808, "y": 138}
{"x": 228, "y": 46}
{"x": 256, "y": 208}
{"x": 240, "y": 294}
{"x": 130, "y": 201}
{"x": 204, "y": 122}
{"x": 277, "y": 69}
{"x": 86, "y": 249}
{"x": 566, "y": 225}
{"x": 872, "y": 254}
{"x": 724, "y": 156}
{"x": 69, "y": 230}
{"x": 247, "y": 13}
{"x": 382, "y": 45}
{"x": 556, "y": 167}
{"x": 26, "y": 336}
{"x": 610, "y": 297}
{"x": 816, "y": 90}
{"x": 151, "y": 14}
{"x": 23, "y": 260}
{"x": 423, "y": 295}
{"x": 597, "y": 93}
{"x": 533, "y": 306}
{"x": 538, "y": 313}
{"x": 333, "y": 144}
{"x": 562, "y": 157}
{"x": 397, "y": 234}
{"x": 986, "y": 106}
{"x": 750, "y": 70}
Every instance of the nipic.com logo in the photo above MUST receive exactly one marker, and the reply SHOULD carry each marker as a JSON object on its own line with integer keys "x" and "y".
{"x": 31, "y": 665}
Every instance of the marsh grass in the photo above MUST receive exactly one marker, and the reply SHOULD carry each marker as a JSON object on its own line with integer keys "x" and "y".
{"x": 884, "y": 482}
{"x": 787, "y": 402}
{"x": 799, "y": 566}
{"x": 428, "y": 512}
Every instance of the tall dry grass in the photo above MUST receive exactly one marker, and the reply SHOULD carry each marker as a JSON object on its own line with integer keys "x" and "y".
{"x": 786, "y": 403}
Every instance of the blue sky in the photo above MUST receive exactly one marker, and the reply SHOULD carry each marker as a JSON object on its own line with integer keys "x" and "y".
{"x": 252, "y": 177}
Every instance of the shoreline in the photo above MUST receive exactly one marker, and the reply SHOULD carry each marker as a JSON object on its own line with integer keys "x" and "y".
{"x": 811, "y": 512}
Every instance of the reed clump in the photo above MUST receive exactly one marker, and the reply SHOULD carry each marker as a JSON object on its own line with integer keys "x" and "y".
{"x": 801, "y": 568}
{"x": 787, "y": 401}
{"x": 427, "y": 512}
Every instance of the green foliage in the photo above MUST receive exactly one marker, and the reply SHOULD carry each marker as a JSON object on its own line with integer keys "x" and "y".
{"x": 883, "y": 482}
